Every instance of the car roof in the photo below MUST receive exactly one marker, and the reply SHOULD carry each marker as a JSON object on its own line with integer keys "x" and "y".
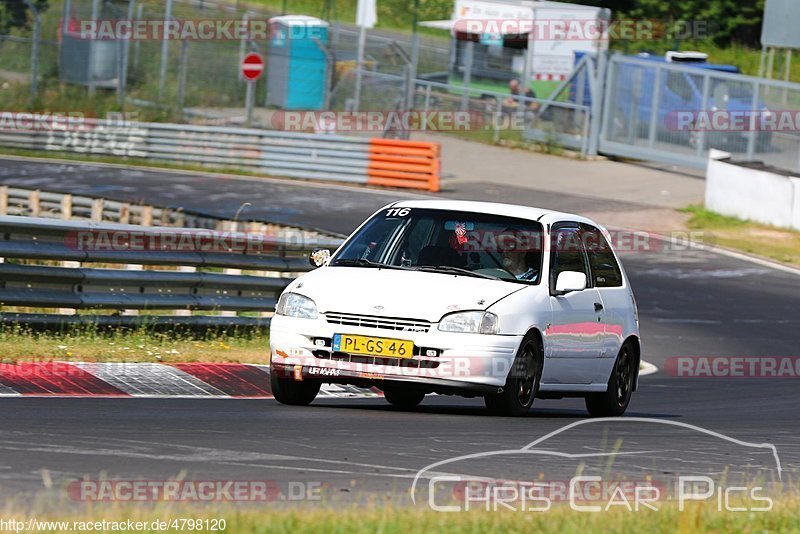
{"x": 496, "y": 208}
{"x": 697, "y": 65}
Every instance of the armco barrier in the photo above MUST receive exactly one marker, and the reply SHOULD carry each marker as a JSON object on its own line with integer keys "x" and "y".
{"x": 23, "y": 284}
{"x": 393, "y": 163}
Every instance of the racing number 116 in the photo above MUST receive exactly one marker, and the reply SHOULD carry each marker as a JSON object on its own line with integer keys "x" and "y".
{"x": 398, "y": 212}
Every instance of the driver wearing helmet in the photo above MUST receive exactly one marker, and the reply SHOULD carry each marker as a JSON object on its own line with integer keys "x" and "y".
{"x": 520, "y": 255}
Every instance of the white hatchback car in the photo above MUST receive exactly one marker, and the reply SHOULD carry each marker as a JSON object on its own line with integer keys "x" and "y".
{"x": 467, "y": 298}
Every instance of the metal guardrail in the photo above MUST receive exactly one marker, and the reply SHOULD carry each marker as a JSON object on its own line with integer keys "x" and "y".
{"x": 290, "y": 154}
{"x": 272, "y": 262}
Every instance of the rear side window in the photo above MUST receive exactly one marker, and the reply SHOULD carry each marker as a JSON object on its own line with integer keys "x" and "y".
{"x": 605, "y": 269}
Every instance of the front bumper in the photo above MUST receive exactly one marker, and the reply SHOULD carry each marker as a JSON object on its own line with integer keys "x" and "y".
{"x": 463, "y": 363}
{"x": 442, "y": 386}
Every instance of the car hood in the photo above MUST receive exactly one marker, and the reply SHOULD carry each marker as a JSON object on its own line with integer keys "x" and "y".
{"x": 401, "y": 294}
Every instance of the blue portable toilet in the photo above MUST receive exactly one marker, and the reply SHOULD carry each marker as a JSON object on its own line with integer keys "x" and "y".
{"x": 297, "y": 69}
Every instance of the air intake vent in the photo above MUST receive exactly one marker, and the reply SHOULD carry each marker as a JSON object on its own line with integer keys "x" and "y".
{"x": 384, "y": 323}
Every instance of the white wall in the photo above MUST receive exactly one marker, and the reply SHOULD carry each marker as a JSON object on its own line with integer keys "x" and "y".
{"x": 751, "y": 194}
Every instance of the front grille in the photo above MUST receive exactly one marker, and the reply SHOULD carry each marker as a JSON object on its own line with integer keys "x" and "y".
{"x": 385, "y": 323}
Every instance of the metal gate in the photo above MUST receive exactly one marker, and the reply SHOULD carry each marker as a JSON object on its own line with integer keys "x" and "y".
{"x": 672, "y": 113}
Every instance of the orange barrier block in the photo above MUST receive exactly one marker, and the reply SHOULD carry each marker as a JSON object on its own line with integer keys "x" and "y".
{"x": 400, "y": 163}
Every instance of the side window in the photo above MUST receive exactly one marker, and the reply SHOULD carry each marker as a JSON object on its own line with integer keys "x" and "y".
{"x": 567, "y": 253}
{"x": 605, "y": 269}
{"x": 679, "y": 84}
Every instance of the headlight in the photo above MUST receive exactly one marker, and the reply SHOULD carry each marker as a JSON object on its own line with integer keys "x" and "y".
{"x": 294, "y": 305}
{"x": 472, "y": 322}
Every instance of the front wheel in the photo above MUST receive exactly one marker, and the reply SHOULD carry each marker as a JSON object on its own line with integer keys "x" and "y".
{"x": 522, "y": 383}
{"x": 403, "y": 399}
{"x": 293, "y": 392}
{"x": 616, "y": 398}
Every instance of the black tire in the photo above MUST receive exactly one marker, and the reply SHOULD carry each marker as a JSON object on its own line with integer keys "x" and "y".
{"x": 292, "y": 392}
{"x": 403, "y": 399}
{"x": 523, "y": 380}
{"x": 614, "y": 401}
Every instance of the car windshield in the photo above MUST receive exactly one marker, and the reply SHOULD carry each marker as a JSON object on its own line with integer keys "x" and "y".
{"x": 721, "y": 88}
{"x": 449, "y": 242}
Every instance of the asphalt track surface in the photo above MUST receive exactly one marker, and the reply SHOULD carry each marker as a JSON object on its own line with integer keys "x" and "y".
{"x": 691, "y": 303}
{"x": 334, "y": 208}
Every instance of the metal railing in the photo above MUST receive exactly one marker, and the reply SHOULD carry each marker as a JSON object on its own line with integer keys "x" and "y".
{"x": 208, "y": 277}
{"x": 676, "y": 113}
{"x": 35, "y": 203}
{"x": 471, "y": 111}
{"x": 66, "y": 206}
{"x": 510, "y": 117}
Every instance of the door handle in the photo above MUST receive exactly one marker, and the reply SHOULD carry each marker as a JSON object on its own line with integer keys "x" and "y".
{"x": 598, "y": 307}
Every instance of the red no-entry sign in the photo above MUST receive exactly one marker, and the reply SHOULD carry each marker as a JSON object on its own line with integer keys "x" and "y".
{"x": 252, "y": 66}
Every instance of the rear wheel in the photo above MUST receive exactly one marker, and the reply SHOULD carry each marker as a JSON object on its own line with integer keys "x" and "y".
{"x": 403, "y": 399}
{"x": 522, "y": 383}
{"x": 616, "y": 398}
{"x": 293, "y": 392}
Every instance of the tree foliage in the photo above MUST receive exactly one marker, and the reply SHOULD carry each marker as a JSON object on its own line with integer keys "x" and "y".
{"x": 729, "y": 21}
{"x": 15, "y": 14}
{"x": 401, "y": 11}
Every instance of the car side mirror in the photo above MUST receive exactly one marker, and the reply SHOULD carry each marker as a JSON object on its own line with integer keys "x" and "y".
{"x": 569, "y": 281}
{"x": 319, "y": 257}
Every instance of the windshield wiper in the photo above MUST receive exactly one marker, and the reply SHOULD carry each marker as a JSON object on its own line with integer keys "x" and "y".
{"x": 363, "y": 262}
{"x": 455, "y": 270}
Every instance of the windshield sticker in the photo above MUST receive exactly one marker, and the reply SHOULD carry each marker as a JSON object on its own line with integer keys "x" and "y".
{"x": 398, "y": 212}
{"x": 461, "y": 232}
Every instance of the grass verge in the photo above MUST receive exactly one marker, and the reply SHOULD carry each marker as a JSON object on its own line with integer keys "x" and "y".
{"x": 753, "y": 238}
{"x": 696, "y": 518}
{"x": 88, "y": 343}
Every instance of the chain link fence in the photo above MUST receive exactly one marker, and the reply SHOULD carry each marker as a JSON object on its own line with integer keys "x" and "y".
{"x": 200, "y": 77}
{"x": 17, "y": 58}
{"x": 632, "y": 108}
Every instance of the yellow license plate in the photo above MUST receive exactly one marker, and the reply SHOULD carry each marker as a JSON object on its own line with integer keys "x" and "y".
{"x": 373, "y": 346}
